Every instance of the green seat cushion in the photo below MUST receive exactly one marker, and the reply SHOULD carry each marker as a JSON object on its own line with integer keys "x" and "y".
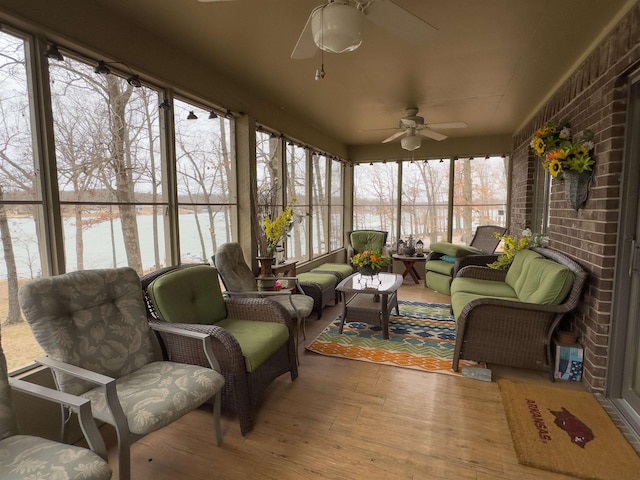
{"x": 325, "y": 280}
{"x": 479, "y": 286}
{"x": 460, "y": 300}
{"x": 258, "y": 340}
{"x": 188, "y": 295}
{"x": 454, "y": 250}
{"x": 438, "y": 282}
{"x": 546, "y": 283}
{"x": 440, "y": 266}
{"x": 342, "y": 268}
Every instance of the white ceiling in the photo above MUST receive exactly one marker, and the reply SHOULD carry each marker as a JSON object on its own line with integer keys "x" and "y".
{"x": 490, "y": 63}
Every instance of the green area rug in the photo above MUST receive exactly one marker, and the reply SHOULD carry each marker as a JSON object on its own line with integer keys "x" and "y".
{"x": 422, "y": 337}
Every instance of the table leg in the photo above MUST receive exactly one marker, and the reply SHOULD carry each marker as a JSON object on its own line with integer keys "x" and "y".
{"x": 410, "y": 269}
{"x": 384, "y": 314}
{"x": 344, "y": 311}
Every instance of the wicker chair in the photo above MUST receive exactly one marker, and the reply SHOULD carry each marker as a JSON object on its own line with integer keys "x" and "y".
{"x": 509, "y": 332}
{"x": 239, "y": 281}
{"x": 360, "y": 240}
{"x": 243, "y": 388}
{"x": 440, "y": 270}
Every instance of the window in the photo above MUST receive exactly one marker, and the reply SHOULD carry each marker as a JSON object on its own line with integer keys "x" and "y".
{"x": 297, "y": 188}
{"x": 479, "y": 195}
{"x": 268, "y": 196}
{"x": 21, "y": 209}
{"x": 337, "y": 205}
{"x": 320, "y": 200}
{"x": 205, "y": 173}
{"x": 109, "y": 169}
{"x": 375, "y": 197}
{"x": 425, "y": 201}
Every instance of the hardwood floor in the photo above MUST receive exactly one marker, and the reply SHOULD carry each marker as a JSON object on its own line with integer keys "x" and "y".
{"x": 351, "y": 420}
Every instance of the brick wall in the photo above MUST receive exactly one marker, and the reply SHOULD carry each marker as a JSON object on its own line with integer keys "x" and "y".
{"x": 594, "y": 98}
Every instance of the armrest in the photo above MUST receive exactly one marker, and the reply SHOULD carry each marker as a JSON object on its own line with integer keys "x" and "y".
{"x": 107, "y": 382}
{"x": 482, "y": 273}
{"x": 205, "y": 339}
{"x": 225, "y": 348}
{"x": 259, "y": 310}
{"x": 76, "y": 371}
{"x": 479, "y": 260}
{"x": 79, "y": 405}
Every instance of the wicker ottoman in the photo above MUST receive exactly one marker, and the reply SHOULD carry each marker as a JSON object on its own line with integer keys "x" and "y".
{"x": 321, "y": 287}
{"x": 340, "y": 270}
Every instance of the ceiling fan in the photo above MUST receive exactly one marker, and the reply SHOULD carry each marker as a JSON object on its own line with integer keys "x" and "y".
{"x": 336, "y": 26}
{"x": 412, "y": 129}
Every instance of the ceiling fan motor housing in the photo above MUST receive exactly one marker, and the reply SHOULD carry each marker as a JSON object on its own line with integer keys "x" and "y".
{"x": 337, "y": 27}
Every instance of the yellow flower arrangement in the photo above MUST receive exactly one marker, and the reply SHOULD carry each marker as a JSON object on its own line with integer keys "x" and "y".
{"x": 372, "y": 259}
{"x": 277, "y": 229}
{"x": 550, "y": 136}
{"x": 510, "y": 245}
{"x": 559, "y": 153}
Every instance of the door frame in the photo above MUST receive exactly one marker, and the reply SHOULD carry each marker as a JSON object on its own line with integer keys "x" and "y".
{"x": 627, "y": 225}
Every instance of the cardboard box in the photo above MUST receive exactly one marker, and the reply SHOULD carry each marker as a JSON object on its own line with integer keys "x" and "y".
{"x": 568, "y": 362}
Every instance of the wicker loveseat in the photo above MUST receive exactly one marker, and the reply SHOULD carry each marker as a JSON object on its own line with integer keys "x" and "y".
{"x": 508, "y": 317}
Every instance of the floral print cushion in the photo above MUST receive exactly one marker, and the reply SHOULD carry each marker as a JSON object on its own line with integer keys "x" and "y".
{"x": 90, "y": 319}
{"x": 173, "y": 390}
{"x": 33, "y": 458}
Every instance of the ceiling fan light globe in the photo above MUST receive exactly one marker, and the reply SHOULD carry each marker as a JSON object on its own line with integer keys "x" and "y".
{"x": 411, "y": 142}
{"x": 337, "y": 27}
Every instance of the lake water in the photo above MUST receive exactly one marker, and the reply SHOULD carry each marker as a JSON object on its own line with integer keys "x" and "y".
{"x": 99, "y": 238}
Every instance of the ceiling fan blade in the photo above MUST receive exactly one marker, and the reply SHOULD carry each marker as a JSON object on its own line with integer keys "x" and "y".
{"x": 394, "y": 136}
{"x": 210, "y": 1}
{"x": 399, "y": 21}
{"x": 448, "y": 125}
{"x": 431, "y": 134}
{"x": 306, "y": 47}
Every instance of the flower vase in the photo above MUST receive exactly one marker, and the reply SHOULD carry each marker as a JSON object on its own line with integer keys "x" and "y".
{"x": 368, "y": 270}
{"x": 576, "y": 185}
{"x": 266, "y": 278}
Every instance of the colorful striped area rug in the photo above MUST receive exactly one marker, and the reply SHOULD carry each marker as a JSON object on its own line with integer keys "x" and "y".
{"x": 422, "y": 337}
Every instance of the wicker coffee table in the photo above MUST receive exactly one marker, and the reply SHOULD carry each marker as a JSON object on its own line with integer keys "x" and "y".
{"x": 369, "y": 299}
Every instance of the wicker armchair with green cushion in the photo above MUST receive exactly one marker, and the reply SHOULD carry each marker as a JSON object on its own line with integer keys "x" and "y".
{"x": 508, "y": 317}
{"x": 361, "y": 240}
{"x": 239, "y": 280}
{"x": 253, "y": 338}
{"x": 446, "y": 259}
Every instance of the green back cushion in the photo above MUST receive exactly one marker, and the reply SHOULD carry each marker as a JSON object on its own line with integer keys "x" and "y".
{"x": 546, "y": 282}
{"x": 188, "y": 295}
{"x": 518, "y": 268}
{"x": 453, "y": 250}
{"x": 367, "y": 240}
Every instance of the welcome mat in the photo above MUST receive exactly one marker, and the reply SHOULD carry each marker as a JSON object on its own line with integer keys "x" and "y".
{"x": 566, "y": 431}
{"x": 423, "y": 337}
